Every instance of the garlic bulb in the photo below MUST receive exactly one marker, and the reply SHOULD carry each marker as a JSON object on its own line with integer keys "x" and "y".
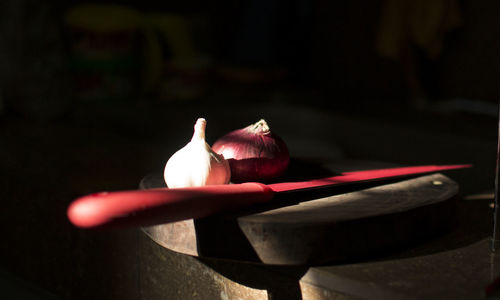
{"x": 196, "y": 164}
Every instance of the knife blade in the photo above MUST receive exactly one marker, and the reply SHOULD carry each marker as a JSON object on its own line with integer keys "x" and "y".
{"x": 133, "y": 208}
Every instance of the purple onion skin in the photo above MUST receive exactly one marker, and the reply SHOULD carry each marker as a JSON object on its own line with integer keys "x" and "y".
{"x": 253, "y": 154}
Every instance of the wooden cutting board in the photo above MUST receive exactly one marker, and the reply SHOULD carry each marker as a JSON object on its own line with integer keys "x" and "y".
{"x": 310, "y": 228}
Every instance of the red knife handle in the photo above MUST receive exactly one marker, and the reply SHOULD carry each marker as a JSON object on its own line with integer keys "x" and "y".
{"x": 157, "y": 206}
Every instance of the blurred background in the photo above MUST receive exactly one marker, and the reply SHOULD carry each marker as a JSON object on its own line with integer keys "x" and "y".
{"x": 93, "y": 96}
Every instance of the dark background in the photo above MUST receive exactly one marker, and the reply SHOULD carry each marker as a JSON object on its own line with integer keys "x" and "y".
{"x": 82, "y": 108}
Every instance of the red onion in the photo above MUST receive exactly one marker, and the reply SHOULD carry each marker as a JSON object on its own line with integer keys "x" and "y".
{"x": 254, "y": 153}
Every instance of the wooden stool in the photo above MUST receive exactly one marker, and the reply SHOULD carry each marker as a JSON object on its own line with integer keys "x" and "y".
{"x": 280, "y": 249}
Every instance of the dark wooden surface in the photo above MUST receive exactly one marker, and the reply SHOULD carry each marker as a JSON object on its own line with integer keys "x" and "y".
{"x": 455, "y": 265}
{"x": 47, "y": 165}
{"x": 317, "y": 227}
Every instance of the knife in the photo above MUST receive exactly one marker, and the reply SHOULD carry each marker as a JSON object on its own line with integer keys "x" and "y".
{"x": 133, "y": 208}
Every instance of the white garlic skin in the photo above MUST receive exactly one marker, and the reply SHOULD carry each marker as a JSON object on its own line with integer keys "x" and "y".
{"x": 196, "y": 164}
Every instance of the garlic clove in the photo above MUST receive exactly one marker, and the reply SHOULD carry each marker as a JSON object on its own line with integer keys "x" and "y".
{"x": 196, "y": 164}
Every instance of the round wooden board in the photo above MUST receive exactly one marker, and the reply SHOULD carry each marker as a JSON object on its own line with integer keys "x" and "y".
{"x": 313, "y": 228}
